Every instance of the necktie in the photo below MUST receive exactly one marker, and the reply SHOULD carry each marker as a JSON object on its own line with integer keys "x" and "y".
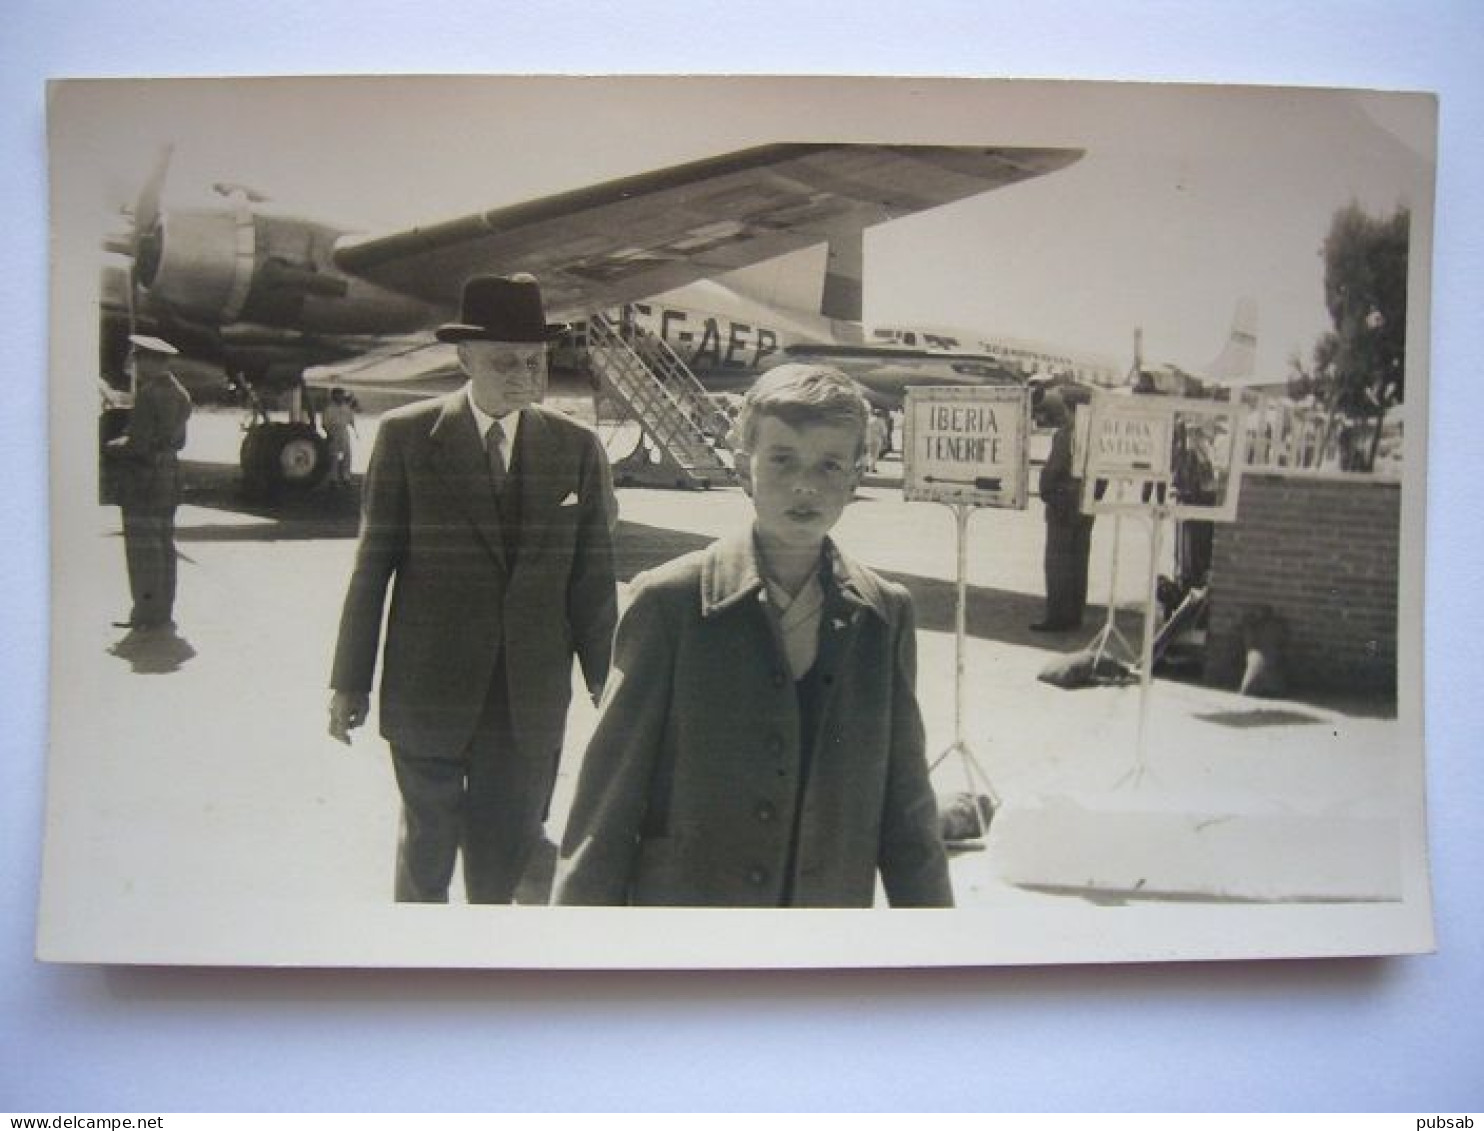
{"x": 494, "y": 443}
{"x": 506, "y": 501}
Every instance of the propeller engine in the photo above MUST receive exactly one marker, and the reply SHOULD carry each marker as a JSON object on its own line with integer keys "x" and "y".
{"x": 211, "y": 268}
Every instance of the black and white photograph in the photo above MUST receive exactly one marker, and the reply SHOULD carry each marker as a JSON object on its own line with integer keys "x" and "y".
{"x": 645, "y": 523}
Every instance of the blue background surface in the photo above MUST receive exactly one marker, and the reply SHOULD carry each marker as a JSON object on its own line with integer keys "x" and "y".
{"x": 1404, "y": 1034}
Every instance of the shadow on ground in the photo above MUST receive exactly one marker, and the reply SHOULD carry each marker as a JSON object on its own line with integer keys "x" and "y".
{"x": 1260, "y": 717}
{"x": 1000, "y": 615}
{"x": 157, "y": 651}
{"x": 322, "y": 512}
{"x": 1003, "y": 615}
{"x": 638, "y": 547}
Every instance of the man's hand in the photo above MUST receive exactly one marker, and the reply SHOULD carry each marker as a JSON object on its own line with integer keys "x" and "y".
{"x": 348, "y": 710}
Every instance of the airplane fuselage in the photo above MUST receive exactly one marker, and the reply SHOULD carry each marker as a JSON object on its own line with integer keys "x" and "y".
{"x": 728, "y": 338}
{"x": 725, "y": 337}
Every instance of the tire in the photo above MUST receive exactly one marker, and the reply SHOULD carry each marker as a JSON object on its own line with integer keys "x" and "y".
{"x": 279, "y": 458}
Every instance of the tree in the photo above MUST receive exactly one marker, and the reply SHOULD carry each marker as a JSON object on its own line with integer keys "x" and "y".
{"x": 1359, "y": 365}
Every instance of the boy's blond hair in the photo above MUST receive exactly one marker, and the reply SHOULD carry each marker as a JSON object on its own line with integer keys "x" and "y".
{"x": 800, "y": 394}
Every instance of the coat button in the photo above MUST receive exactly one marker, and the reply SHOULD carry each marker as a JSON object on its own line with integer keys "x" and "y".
{"x": 765, "y": 811}
{"x": 757, "y": 877}
{"x": 775, "y": 744}
{"x": 779, "y": 679}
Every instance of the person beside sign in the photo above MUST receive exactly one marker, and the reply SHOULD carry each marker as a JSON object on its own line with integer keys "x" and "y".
{"x": 1196, "y": 486}
{"x": 759, "y": 742}
{"x": 1068, "y": 530}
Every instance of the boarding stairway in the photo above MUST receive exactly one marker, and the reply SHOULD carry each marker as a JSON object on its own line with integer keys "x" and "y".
{"x": 681, "y": 428}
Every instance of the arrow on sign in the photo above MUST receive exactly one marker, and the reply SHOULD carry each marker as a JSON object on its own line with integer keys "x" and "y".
{"x": 983, "y": 484}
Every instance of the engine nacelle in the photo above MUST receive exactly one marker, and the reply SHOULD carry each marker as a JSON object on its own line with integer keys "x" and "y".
{"x": 201, "y": 264}
{"x": 227, "y": 266}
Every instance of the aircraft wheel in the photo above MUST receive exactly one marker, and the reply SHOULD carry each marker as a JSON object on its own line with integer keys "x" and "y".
{"x": 280, "y": 457}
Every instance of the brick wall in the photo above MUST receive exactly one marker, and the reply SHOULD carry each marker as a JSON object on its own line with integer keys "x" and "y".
{"x": 1321, "y": 551}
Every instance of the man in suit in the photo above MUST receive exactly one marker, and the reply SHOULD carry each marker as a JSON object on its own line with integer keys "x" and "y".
{"x": 1068, "y": 530}
{"x": 146, "y": 471}
{"x": 491, "y": 518}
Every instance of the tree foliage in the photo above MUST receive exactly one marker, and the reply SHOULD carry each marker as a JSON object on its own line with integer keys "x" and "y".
{"x": 1359, "y": 365}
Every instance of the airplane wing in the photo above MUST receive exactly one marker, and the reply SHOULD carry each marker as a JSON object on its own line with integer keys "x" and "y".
{"x": 624, "y": 240}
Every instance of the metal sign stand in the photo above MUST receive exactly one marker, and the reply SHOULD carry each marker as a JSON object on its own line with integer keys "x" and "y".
{"x": 1109, "y": 635}
{"x": 974, "y": 776}
{"x": 1110, "y": 642}
{"x": 966, "y": 448}
{"x": 1157, "y": 515}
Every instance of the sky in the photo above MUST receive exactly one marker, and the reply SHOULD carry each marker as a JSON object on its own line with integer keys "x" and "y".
{"x": 1187, "y": 198}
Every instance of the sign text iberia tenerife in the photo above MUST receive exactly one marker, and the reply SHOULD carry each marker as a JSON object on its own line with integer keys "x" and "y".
{"x": 967, "y": 445}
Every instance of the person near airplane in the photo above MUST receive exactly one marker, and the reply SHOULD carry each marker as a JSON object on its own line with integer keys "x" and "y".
{"x": 876, "y": 439}
{"x": 760, "y": 742}
{"x": 491, "y": 518}
{"x": 1068, "y": 530}
{"x": 339, "y": 419}
{"x": 145, "y": 467}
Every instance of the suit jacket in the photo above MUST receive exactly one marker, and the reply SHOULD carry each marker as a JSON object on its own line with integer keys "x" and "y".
{"x": 431, "y": 527}
{"x": 688, "y": 790}
{"x": 1060, "y": 490}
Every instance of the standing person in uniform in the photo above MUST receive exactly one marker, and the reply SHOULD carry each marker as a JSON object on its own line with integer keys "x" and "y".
{"x": 760, "y": 743}
{"x": 339, "y": 421}
{"x": 1068, "y": 530}
{"x": 491, "y": 520}
{"x": 146, "y": 469}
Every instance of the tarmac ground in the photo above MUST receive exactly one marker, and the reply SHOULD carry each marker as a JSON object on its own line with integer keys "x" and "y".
{"x": 209, "y": 767}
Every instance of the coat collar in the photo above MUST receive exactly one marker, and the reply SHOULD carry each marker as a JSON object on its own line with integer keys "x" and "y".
{"x": 457, "y": 423}
{"x": 730, "y": 575}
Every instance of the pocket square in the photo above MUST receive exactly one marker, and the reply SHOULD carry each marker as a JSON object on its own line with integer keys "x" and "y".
{"x": 570, "y": 500}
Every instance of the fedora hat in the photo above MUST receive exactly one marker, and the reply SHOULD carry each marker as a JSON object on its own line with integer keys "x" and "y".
{"x": 500, "y": 309}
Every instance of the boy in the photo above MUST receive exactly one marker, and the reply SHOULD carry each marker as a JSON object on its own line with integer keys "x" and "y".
{"x": 759, "y": 742}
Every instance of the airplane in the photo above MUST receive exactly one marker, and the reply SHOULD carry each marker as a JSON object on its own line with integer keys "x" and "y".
{"x": 1231, "y": 369}
{"x": 729, "y": 329}
{"x": 263, "y": 297}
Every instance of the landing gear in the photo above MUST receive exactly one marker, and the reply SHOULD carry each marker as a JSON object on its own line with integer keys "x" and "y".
{"x": 280, "y": 457}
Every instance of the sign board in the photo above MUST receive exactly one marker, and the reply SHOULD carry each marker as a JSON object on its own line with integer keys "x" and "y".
{"x": 1180, "y": 454}
{"x": 967, "y": 445}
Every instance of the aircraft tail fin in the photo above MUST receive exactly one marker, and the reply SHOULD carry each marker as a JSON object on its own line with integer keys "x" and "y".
{"x": 791, "y": 281}
{"x": 844, "y": 278}
{"x": 827, "y": 280}
{"x": 1237, "y": 360}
